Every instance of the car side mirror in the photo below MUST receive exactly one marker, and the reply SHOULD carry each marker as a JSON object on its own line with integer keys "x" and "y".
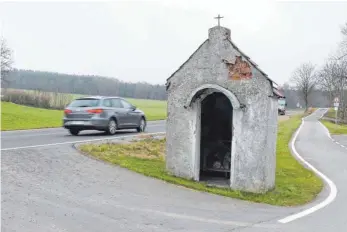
{"x": 133, "y": 107}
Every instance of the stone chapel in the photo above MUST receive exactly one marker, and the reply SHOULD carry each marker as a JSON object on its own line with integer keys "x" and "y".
{"x": 222, "y": 118}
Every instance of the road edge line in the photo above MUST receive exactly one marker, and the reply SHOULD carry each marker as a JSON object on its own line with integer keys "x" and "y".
{"x": 79, "y": 141}
{"x": 329, "y": 135}
{"x": 61, "y": 127}
{"x": 332, "y": 186}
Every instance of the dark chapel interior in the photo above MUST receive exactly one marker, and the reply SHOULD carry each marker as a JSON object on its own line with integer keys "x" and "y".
{"x": 216, "y": 136}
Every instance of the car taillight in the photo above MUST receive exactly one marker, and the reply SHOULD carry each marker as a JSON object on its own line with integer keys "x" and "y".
{"x": 95, "y": 111}
{"x": 66, "y": 111}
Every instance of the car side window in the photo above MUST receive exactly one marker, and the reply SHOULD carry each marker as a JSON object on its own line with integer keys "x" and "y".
{"x": 126, "y": 105}
{"x": 107, "y": 103}
{"x": 116, "y": 103}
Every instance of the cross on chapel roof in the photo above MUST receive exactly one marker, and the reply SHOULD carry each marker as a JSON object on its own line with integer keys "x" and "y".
{"x": 218, "y": 18}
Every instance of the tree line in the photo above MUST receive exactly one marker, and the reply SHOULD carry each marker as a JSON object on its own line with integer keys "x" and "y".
{"x": 82, "y": 84}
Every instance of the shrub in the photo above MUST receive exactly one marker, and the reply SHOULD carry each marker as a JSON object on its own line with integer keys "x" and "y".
{"x": 37, "y": 98}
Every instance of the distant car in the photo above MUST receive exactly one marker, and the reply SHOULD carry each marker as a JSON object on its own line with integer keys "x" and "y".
{"x": 107, "y": 114}
{"x": 282, "y": 106}
{"x": 282, "y": 111}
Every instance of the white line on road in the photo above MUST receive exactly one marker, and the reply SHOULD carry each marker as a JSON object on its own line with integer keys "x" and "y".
{"x": 329, "y": 135}
{"x": 30, "y": 135}
{"x": 53, "y": 133}
{"x": 149, "y": 123}
{"x": 78, "y": 141}
{"x": 332, "y": 186}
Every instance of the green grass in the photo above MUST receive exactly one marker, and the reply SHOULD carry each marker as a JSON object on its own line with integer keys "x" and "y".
{"x": 16, "y": 117}
{"x": 331, "y": 113}
{"x": 335, "y": 129}
{"x": 154, "y": 109}
{"x": 295, "y": 185}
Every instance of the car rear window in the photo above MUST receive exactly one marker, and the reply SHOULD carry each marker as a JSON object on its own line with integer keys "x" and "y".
{"x": 87, "y": 102}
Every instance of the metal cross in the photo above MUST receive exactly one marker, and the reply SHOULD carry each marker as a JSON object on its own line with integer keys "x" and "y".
{"x": 218, "y": 18}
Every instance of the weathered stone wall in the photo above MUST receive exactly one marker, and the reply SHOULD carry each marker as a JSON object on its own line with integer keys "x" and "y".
{"x": 254, "y": 146}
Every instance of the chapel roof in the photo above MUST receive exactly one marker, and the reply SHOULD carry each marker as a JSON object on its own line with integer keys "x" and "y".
{"x": 275, "y": 90}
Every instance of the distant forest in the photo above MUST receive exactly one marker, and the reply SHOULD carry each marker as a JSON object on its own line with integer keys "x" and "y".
{"x": 98, "y": 85}
{"x": 83, "y": 84}
{"x": 317, "y": 98}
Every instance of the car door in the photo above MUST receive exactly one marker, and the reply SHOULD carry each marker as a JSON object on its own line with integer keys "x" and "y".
{"x": 133, "y": 116}
{"x": 107, "y": 106}
{"x": 119, "y": 112}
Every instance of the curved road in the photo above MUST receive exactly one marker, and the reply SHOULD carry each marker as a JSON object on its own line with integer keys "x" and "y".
{"x": 48, "y": 186}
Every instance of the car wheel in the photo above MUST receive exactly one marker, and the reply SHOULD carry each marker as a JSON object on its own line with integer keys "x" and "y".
{"x": 142, "y": 126}
{"x": 112, "y": 127}
{"x": 74, "y": 131}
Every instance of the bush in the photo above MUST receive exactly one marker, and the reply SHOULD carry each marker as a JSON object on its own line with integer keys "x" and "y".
{"x": 38, "y": 99}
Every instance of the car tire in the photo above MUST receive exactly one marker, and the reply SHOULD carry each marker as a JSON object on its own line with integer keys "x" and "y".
{"x": 112, "y": 127}
{"x": 74, "y": 131}
{"x": 142, "y": 125}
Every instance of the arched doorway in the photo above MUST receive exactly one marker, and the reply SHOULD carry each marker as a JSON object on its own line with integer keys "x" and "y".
{"x": 215, "y": 138}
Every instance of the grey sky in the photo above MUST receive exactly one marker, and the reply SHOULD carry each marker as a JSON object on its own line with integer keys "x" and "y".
{"x": 149, "y": 40}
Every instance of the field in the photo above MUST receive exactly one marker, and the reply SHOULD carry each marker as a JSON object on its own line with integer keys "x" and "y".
{"x": 295, "y": 185}
{"x": 154, "y": 109}
{"x": 16, "y": 117}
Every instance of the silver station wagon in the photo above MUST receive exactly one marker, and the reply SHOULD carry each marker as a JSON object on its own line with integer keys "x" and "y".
{"x": 107, "y": 114}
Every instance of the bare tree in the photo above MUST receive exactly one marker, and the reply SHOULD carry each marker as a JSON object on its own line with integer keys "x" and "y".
{"x": 331, "y": 77}
{"x": 342, "y": 52}
{"x": 344, "y": 29}
{"x": 6, "y": 62}
{"x": 305, "y": 79}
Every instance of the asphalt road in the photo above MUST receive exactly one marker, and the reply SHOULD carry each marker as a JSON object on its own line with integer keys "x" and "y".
{"x": 48, "y": 186}
{"x": 341, "y": 139}
{"x": 60, "y": 136}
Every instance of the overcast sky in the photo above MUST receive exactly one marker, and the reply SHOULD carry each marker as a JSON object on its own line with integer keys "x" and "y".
{"x": 149, "y": 40}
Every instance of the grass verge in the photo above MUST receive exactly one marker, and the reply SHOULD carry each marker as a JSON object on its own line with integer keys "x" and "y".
{"x": 18, "y": 117}
{"x": 295, "y": 185}
{"x": 335, "y": 129}
{"x": 330, "y": 113}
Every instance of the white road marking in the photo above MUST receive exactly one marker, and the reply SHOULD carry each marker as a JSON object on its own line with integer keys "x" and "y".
{"x": 78, "y": 141}
{"x": 149, "y": 123}
{"x": 332, "y": 186}
{"x": 30, "y": 135}
{"x": 329, "y": 135}
{"x": 13, "y": 135}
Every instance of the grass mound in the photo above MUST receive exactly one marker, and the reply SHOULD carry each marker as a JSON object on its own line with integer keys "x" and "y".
{"x": 295, "y": 185}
